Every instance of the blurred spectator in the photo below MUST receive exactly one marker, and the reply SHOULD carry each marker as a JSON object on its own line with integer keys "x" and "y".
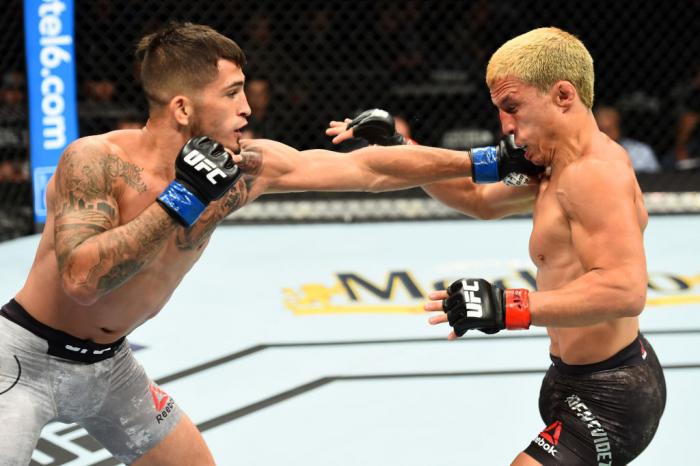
{"x": 687, "y": 143}
{"x": 130, "y": 122}
{"x": 297, "y": 110}
{"x": 13, "y": 128}
{"x": 15, "y": 170}
{"x": 13, "y": 90}
{"x": 13, "y": 111}
{"x": 398, "y": 30}
{"x": 319, "y": 40}
{"x": 265, "y": 55}
{"x": 641, "y": 154}
{"x": 100, "y": 110}
{"x": 469, "y": 43}
{"x": 260, "y": 124}
{"x": 99, "y": 90}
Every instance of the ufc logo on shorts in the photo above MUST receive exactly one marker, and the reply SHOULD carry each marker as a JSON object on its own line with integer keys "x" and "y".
{"x": 471, "y": 301}
{"x": 197, "y": 160}
{"x": 77, "y": 349}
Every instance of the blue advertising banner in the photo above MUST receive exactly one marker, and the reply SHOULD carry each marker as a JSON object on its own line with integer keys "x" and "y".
{"x": 53, "y": 111}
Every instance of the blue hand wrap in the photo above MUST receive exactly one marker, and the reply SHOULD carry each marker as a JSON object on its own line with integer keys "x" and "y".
{"x": 180, "y": 201}
{"x": 485, "y": 164}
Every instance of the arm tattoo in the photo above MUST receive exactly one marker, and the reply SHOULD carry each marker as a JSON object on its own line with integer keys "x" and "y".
{"x": 84, "y": 204}
{"x": 125, "y": 250}
{"x": 91, "y": 248}
{"x": 252, "y": 160}
{"x": 193, "y": 237}
{"x": 127, "y": 171}
{"x": 118, "y": 275}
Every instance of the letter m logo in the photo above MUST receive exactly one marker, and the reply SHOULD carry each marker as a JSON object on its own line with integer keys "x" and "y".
{"x": 351, "y": 282}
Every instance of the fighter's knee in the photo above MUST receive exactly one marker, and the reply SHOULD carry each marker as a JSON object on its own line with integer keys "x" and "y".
{"x": 523, "y": 459}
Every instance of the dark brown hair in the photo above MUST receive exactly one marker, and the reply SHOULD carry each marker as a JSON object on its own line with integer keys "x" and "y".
{"x": 182, "y": 57}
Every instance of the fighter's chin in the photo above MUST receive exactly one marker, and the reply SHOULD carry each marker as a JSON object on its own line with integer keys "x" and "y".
{"x": 533, "y": 158}
{"x": 235, "y": 148}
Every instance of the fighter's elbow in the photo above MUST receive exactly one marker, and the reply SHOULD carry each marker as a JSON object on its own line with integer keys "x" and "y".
{"x": 632, "y": 301}
{"x": 79, "y": 291}
{"x": 637, "y": 304}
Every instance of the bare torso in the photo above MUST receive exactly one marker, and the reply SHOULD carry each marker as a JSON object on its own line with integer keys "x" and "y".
{"x": 137, "y": 181}
{"x": 144, "y": 294}
{"x": 557, "y": 264}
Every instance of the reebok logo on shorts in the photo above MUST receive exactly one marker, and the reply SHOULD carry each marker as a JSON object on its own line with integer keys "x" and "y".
{"x": 549, "y": 438}
{"x": 160, "y": 398}
{"x": 552, "y": 432}
{"x": 162, "y": 403}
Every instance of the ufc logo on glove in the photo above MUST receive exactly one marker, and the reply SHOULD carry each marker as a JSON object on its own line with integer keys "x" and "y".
{"x": 189, "y": 193}
{"x": 471, "y": 301}
{"x": 199, "y": 162}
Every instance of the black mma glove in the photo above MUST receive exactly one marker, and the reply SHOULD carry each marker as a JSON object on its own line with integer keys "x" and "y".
{"x": 376, "y": 126}
{"x": 505, "y": 162}
{"x": 473, "y": 303}
{"x": 204, "y": 172}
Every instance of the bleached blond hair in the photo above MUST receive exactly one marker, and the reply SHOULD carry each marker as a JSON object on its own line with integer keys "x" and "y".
{"x": 542, "y": 57}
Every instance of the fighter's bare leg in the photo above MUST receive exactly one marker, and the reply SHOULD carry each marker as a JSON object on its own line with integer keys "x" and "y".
{"x": 184, "y": 446}
{"x": 523, "y": 459}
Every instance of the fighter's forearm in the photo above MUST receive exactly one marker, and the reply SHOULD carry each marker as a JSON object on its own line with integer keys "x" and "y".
{"x": 483, "y": 201}
{"x": 597, "y": 296}
{"x": 194, "y": 236}
{"x": 97, "y": 264}
{"x": 499, "y": 200}
{"x": 400, "y": 167}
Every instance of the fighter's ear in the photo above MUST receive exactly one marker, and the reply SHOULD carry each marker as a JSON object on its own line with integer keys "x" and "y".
{"x": 181, "y": 107}
{"x": 564, "y": 94}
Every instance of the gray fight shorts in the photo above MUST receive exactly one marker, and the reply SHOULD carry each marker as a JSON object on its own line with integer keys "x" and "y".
{"x": 100, "y": 387}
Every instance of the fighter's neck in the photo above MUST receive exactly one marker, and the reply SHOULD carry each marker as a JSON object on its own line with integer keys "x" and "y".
{"x": 161, "y": 142}
{"x": 575, "y": 142}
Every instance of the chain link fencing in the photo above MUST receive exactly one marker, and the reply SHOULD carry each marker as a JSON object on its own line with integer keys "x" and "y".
{"x": 313, "y": 61}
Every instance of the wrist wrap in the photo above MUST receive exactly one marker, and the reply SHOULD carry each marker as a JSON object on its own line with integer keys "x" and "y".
{"x": 484, "y": 164}
{"x": 177, "y": 200}
{"x": 517, "y": 309}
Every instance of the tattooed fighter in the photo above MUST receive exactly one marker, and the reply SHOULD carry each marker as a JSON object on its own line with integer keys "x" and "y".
{"x": 129, "y": 212}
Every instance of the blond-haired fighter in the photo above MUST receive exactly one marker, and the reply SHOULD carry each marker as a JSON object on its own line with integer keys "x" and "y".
{"x": 603, "y": 396}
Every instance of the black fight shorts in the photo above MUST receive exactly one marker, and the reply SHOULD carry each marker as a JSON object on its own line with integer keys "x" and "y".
{"x": 600, "y": 414}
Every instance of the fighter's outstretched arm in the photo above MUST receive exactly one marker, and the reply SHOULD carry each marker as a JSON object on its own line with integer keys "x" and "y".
{"x": 484, "y": 201}
{"x": 95, "y": 253}
{"x": 285, "y": 169}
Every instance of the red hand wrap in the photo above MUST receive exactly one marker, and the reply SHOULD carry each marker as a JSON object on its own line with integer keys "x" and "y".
{"x": 411, "y": 142}
{"x": 517, "y": 309}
